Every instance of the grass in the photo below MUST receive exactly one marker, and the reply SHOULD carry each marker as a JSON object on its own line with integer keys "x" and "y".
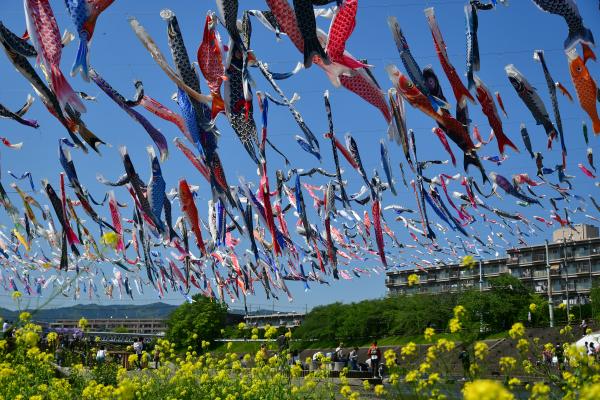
{"x": 253, "y": 347}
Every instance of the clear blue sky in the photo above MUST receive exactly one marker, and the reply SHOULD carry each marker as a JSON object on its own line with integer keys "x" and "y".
{"x": 506, "y": 35}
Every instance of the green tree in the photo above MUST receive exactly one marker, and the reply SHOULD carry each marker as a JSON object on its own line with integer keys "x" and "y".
{"x": 505, "y": 303}
{"x": 191, "y": 323}
{"x": 121, "y": 329}
{"x": 595, "y": 298}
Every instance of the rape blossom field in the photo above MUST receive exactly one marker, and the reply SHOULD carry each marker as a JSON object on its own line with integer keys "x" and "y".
{"x": 28, "y": 371}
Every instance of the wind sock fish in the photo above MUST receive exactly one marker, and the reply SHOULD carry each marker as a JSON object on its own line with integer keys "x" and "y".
{"x": 586, "y": 171}
{"x": 473, "y": 62}
{"x": 341, "y": 28}
{"x": 376, "y": 212}
{"x": 538, "y": 55}
{"x": 229, "y": 10}
{"x": 16, "y": 43}
{"x": 210, "y": 62}
{"x": 155, "y": 192}
{"x": 6, "y": 113}
{"x": 567, "y": 9}
{"x": 412, "y": 68}
{"x": 526, "y": 139}
{"x": 454, "y": 129}
{"x": 190, "y": 118}
{"x": 116, "y": 220}
{"x": 360, "y": 83}
{"x": 461, "y": 93}
{"x": 58, "y": 209}
{"x": 334, "y": 150}
{"x": 489, "y": 109}
{"x": 157, "y": 137}
{"x": 238, "y": 100}
{"x": 585, "y": 132}
{"x": 353, "y": 150}
{"x": 84, "y": 14}
{"x": 50, "y": 101}
{"x": 136, "y": 183}
{"x": 45, "y": 36}
{"x": 160, "y": 59}
{"x": 586, "y": 88}
{"x": 399, "y": 120}
{"x": 510, "y": 189}
{"x": 69, "y": 167}
{"x": 440, "y": 134}
{"x": 532, "y": 100}
{"x": 191, "y": 213}
{"x": 590, "y": 158}
{"x": 165, "y": 113}
{"x": 207, "y": 131}
{"x": 305, "y": 17}
{"x": 385, "y": 161}
{"x": 501, "y": 103}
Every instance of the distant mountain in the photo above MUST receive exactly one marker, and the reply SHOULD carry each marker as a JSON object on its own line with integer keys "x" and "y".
{"x": 94, "y": 311}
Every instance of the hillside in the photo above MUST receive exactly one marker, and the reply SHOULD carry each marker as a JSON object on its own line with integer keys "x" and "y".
{"x": 91, "y": 311}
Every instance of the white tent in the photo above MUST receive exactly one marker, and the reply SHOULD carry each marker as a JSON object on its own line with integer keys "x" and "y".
{"x": 591, "y": 338}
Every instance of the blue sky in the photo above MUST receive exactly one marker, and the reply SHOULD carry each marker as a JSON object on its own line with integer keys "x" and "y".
{"x": 507, "y": 35}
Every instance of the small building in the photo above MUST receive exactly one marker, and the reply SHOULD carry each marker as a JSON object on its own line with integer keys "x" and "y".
{"x": 131, "y": 325}
{"x": 579, "y": 232}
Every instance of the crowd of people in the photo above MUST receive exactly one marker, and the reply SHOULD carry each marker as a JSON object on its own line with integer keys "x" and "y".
{"x": 372, "y": 362}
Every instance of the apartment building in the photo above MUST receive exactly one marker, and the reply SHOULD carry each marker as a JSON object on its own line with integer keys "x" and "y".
{"x": 573, "y": 262}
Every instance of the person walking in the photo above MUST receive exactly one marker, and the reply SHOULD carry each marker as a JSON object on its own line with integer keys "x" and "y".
{"x": 138, "y": 347}
{"x": 583, "y": 327}
{"x": 353, "y": 358}
{"x": 101, "y": 355}
{"x": 156, "y": 357}
{"x": 374, "y": 354}
{"x": 465, "y": 359}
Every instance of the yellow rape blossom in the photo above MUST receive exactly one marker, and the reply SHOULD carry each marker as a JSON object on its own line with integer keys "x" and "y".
{"x": 428, "y": 334}
{"x": 413, "y": 279}
{"x": 517, "y": 330}
{"x": 533, "y": 308}
{"x": 409, "y": 349}
{"x": 485, "y": 389}
{"x": 454, "y": 325}
{"x": 540, "y": 391}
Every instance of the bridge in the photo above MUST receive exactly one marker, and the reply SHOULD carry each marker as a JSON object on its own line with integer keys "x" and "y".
{"x": 122, "y": 338}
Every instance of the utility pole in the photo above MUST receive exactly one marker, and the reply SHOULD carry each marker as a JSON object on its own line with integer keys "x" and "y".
{"x": 550, "y": 307}
{"x": 480, "y": 276}
{"x": 566, "y": 275}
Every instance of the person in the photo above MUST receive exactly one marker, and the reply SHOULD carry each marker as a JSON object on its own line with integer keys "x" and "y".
{"x": 560, "y": 355}
{"x": 295, "y": 357}
{"x": 465, "y": 359}
{"x": 547, "y": 356}
{"x": 101, "y": 355}
{"x": 59, "y": 354}
{"x": 374, "y": 354}
{"x": 591, "y": 350}
{"x": 354, "y": 359}
{"x": 583, "y": 327}
{"x": 156, "y": 357}
{"x": 138, "y": 346}
{"x": 5, "y": 326}
{"x": 339, "y": 352}
{"x": 281, "y": 342}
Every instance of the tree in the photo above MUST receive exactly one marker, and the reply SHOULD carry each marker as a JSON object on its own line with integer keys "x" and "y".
{"x": 191, "y": 323}
{"x": 121, "y": 329}
{"x": 505, "y": 303}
